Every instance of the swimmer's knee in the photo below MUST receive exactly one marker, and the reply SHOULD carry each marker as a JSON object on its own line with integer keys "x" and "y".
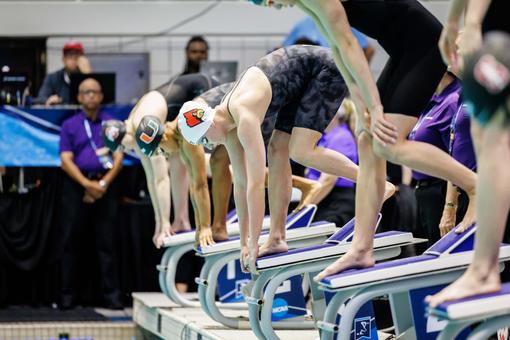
{"x": 300, "y": 154}
{"x": 277, "y": 144}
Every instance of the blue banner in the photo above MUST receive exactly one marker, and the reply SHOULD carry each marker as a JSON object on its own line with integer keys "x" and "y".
{"x": 30, "y": 137}
{"x": 288, "y": 301}
{"x": 364, "y": 325}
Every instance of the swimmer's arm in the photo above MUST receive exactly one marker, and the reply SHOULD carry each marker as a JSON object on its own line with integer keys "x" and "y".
{"x": 158, "y": 183}
{"x": 475, "y": 13}
{"x": 455, "y": 12}
{"x": 250, "y": 137}
{"x": 236, "y": 155}
{"x": 332, "y": 20}
{"x": 354, "y": 91}
{"x": 194, "y": 158}
{"x": 336, "y": 53}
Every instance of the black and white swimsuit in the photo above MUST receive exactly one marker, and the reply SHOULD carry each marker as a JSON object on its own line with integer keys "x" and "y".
{"x": 307, "y": 88}
{"x": 214, "y": 96}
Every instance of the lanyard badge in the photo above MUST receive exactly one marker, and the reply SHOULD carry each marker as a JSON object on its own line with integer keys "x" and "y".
{"x": 103, "y": 155}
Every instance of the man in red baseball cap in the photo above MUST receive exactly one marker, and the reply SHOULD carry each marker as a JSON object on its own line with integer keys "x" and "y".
{"x": 55, "y": 88}
{"x": 73, "y": 47}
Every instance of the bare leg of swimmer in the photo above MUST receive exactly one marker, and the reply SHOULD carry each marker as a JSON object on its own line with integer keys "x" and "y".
{"x": 416, "y": 155}
{"x": 279, "y": 189}
{"x": 221, "y": 191}
{"x": 179, "y": 186}
{"x": 369, "y": 198}
{"x": 304, "y": 150}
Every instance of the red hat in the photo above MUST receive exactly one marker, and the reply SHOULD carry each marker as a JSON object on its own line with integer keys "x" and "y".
{"x": 73, "y": 46}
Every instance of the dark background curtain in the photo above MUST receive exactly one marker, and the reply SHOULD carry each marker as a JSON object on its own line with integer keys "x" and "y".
{"x": 29, "y": 240}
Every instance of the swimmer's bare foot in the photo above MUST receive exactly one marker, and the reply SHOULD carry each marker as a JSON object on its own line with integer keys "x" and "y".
{"x": 309, "y": 191}
{"x": 352, "y": 259}
{"x": 470, "y": 216}
{"x": 469, "y": 284}
{"x": 180, "y": 226}
{"x": 389, "y": 190}
{"x": 273, "y": 246}
{"x": 219, "y": 233}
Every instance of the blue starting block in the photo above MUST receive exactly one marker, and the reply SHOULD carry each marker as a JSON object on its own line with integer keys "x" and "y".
{"x": 299, "y": 232}
{"x": 492, "y": 310}
{"x": 441, "y": 264}
{"x": 276, "y": 269}
{"x": 178, "y": 245}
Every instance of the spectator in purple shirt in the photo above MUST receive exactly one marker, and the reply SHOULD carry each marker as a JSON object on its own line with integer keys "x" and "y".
{"x": 88, "y": 195}
{"x": 440, "y": 208}
{"x": 461, "y": 148}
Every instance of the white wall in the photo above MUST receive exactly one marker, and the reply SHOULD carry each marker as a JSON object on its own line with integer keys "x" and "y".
{"x": 236, "y": 30}
{"x": 95, "y": 17}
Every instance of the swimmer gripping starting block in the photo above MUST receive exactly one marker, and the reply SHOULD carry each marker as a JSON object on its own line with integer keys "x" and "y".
{"x": 276, "y": 269}
{"x": 300, "y": 232}
{"x": 492, "y": 310}
{"x": 178, "y": 245}
{"x": 441, "y": 264}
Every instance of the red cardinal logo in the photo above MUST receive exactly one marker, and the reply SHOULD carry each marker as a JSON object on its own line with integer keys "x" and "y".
{"x": 194, "y": 117}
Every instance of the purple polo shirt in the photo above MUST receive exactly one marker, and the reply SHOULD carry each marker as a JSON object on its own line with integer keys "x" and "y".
{"x": 433, "y": 126}
{"x": 73, "y": 137}
{"x": 461, "y": 143}
{"x": 339, "y": 139}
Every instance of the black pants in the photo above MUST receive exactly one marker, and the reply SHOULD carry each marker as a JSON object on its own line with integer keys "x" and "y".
{"x": 188, "y": 269}
{"x": 337, "y": 207}
{"x": 79, "y": 220}
{"x": 430, "y": 198}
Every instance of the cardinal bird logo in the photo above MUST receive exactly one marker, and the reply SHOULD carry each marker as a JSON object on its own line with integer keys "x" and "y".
{"x": 194, "y": 117}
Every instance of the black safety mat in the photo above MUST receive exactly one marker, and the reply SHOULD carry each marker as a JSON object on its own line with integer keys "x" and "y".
{"x": 46, "y": 314}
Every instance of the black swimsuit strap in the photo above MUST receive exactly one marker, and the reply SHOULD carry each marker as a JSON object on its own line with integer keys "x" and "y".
{"x": 232, "y": 92}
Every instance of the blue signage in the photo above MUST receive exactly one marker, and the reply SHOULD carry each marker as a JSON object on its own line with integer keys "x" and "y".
{"x": 288, "y": 301}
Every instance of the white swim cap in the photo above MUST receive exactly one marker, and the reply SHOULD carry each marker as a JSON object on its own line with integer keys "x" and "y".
{"x": 194, "y": 120}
